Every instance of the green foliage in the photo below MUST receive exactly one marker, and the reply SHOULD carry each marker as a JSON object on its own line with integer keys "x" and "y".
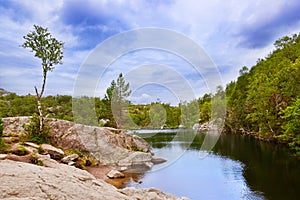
{"x": 291, "y": 126}
{"x": 59, "y": 106}
{"x": 33, "y": 131}
{"x": 2, "y": 144}
{"x": 1, "y": 128}
{"x": 75, "y": 151}
{"x": 119, "y": 103}
{"x": 264, "y": 100}
{"x": 45, "y": 47}
{"x": 189, "y": 113}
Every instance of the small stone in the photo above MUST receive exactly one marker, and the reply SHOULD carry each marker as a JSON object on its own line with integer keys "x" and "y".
{"x": 32, "y": 145}
{"x": 115, "y": 174}
{"x": 3, "y": 156}
{"x": 69, "y": 158}
{"x": 72, "y": 163}
{"x": 122, "y": 169}
{"x": 54, "y": 152}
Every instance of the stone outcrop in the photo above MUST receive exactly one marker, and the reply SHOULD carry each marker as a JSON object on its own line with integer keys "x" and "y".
{"x": 104, "y": 145}
{"x": 59, "y": 181}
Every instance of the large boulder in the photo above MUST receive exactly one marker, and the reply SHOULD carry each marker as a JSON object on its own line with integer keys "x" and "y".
{"x": 58, "y": 181}
{"x": 104, "y": 145}
{"x": 13, "y": 126}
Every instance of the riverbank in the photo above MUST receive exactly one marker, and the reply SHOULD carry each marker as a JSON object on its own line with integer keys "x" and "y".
{"x": 60, "y": 181}
{"x": 87, "y": 157}
{"x": 257, "y": 135}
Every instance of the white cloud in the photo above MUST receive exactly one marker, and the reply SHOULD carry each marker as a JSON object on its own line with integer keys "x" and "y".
{"x": 233, "y": 33}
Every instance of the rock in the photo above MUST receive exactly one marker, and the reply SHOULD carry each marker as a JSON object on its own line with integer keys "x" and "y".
{"x": 72, "y": 163}
{"x": 31, "y": 150}
{"x": 13, "y": 126}
{"x": 115, "y": 174}
{"x": 157, "y": 160}
{"x": 46, "y": 161}
{"x": 32, "y": 145}
{"x": 181, "y": 126}
{"x": 3, "y": 156}
{"x": 196, "y": 126}
{"x": 54, "y": 152}
{"x": 104, "y": 145}
{"x": 148, "y": 194}
{"x": 122, "y": 169}
{"x": 148, "y": 165}
{"x": 136, "y": 158}
{"x": 19, "y": 150}
{"x": 70, "y": 158}
{"x": 61, "y": 182}
{"x": 28, "y": 181}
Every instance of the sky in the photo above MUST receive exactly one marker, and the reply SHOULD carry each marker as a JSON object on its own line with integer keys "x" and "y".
{"x": 232, "y": 34}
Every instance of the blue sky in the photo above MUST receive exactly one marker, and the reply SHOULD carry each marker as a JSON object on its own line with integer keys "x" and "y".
{"x": 232, "y": 33}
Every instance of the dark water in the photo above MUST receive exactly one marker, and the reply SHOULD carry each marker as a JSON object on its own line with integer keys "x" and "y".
{"x": 238, "y": 167}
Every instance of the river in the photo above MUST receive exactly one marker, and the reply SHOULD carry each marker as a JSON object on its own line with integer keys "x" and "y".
{"x": 237, "y": 167}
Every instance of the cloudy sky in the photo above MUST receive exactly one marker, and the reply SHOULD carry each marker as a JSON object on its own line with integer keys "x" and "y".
{"x": 232, "y": 33}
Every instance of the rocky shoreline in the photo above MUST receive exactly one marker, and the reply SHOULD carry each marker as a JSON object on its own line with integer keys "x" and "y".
{"x": 58, "y": 177}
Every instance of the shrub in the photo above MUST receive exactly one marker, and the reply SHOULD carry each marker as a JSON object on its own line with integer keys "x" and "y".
{"x": 2, "y": 144}
{"x": 1, "y": 128}
{"x": 33, "y": 131}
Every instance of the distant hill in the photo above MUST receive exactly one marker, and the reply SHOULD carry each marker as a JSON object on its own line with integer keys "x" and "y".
{"x": 4, "y": 92}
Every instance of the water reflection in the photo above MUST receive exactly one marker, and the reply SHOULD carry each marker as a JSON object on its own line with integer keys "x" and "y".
{"x": 238, "y": 167}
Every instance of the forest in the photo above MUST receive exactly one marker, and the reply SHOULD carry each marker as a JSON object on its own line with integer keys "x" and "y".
{"x": 264, "y": 101}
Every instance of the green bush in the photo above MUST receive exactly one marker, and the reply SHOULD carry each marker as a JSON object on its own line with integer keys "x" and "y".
{"x": 1, "y": 128}
{"x": 33, "y": 131}
{"x": 2, "y": 144}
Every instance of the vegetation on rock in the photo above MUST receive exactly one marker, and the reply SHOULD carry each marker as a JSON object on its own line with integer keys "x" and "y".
{"x": 34, "y": 133}
{"x": 2, "y": 144}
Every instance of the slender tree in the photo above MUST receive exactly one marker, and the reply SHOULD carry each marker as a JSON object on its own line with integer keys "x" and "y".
{"x": 50, "y": 51}
{"x": 119, "y": 102}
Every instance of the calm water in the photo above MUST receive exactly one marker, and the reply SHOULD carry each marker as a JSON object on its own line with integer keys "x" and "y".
{"x": 238, "y": 167}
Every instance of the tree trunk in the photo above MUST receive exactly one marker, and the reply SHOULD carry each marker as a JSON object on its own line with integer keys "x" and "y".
{"x": 40, "y": 110}
{"x": 39, "y": 96}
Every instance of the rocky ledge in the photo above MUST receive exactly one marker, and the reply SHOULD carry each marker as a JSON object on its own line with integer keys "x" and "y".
{"x": 21, "y": 180}
{"x": 105, "y": 145}
{"x": 58, "y": 178}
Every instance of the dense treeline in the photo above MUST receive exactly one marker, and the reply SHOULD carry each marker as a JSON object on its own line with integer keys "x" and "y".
{"x": 59, "y": 106}
{"x": 154, "y": 115}
{"x": 265, "y": 100}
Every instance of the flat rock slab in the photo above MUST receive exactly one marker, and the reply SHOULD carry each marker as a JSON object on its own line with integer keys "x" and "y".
{"x": 157, "y": 160}
{"x": 54, "y": 152}
{"x": 28, "y": 181}
{"x": 32, "y": 145}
